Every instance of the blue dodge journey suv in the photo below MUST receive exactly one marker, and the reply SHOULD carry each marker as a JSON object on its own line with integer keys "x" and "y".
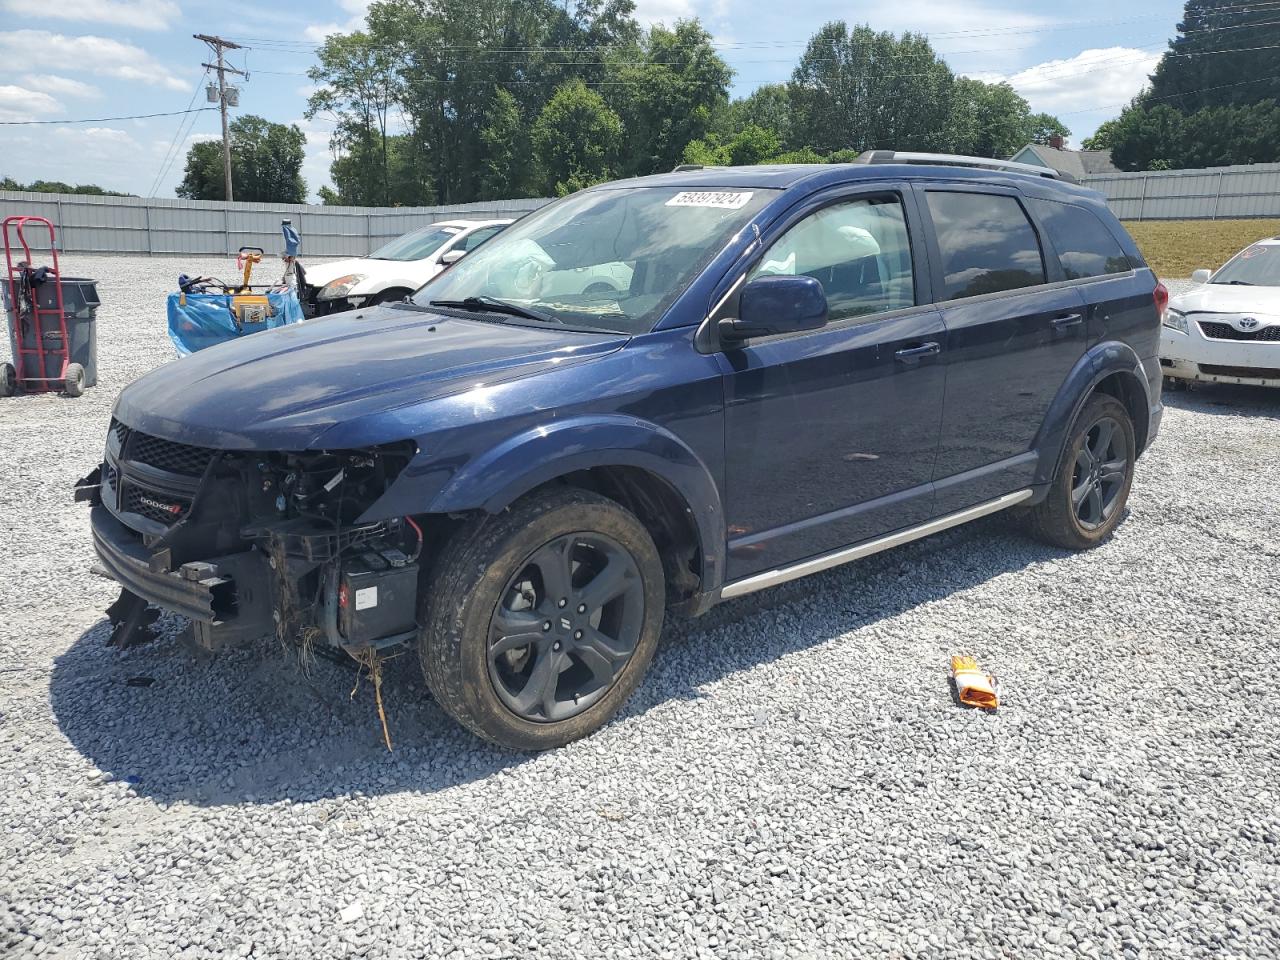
{"x": 518, "y": 470}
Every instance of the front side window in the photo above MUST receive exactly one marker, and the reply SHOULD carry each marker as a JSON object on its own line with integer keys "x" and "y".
{"x": 859, "y": 251}
{"x": 417, "y": 245}
{"x": 605, "y": 259}
{"x": 1085, "y": 247}
{"x": 987, "y": 243}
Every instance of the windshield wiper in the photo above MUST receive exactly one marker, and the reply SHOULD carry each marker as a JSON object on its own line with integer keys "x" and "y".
{"x": 1235, "y": 283}
{"x": 494, "y": 305}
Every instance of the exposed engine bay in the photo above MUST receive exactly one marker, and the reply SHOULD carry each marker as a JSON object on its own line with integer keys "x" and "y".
{"x": 247, "y": 544}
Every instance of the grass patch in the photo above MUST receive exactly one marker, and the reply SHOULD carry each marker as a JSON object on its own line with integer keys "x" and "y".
{"x": 1174, "y": 248}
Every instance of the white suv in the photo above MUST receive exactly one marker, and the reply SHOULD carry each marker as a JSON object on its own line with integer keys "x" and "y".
{"x": 395, "y": 270}
{"x": 1227, "y": 330}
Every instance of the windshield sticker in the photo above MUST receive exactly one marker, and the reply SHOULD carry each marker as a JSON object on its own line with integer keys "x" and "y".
{"x": 700, "y": 198}
{"x": 1254, "y": 251}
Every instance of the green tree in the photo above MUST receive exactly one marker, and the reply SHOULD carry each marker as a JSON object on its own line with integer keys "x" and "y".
{"x": 767, "y": 107}
{"x": 359, "y": 84}
{"x": 575, "y": 139}
{"x": 667, "y": 93}
{"x": 1043, "y": 127}
{"x": 505, "y": 142}
{"x": 859, "y": 89}
{"x": 1103, "y": 138}
{"x": 751, "y": 145}
{"x": 57, "y": 186}
{"x": 266, "y": 164}
{"x": 1226, "y": 53}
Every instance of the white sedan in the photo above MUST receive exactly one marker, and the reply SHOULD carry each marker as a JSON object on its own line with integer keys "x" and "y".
{"x": 398, "y": 268}
{"x": 1227, "y": 329}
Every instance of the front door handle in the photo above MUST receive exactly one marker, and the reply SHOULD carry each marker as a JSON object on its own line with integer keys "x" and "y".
{"x": 1067, "y": 321}
{"x": 913, "y": 355}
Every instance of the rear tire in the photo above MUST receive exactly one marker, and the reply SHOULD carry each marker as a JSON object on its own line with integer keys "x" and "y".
{"x": 540, "y": 622}
{"x": 8, "y": 380}
{"x": 73, "y": 382}
{"x": 1087, "y": 497}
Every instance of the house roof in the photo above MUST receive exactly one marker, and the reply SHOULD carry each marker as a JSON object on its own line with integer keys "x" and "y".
{"x": 1078, "y": 163}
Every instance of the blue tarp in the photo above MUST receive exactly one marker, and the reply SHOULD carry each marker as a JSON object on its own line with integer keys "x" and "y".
{"x": 205, "y": 319}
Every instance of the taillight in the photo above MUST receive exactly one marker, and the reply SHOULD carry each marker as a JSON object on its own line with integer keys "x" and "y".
{"x": 1161, "y": 296}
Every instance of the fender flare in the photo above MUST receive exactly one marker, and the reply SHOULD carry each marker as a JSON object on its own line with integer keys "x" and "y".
{"x": 503, "y": 474}
{"x": 1099, "y": 362}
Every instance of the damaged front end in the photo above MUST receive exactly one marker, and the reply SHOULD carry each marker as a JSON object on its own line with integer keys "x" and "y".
{"x": 247, "y": 544}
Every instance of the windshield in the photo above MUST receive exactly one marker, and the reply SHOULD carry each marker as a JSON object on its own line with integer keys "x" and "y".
{"x": 611, "y": 259}
{"x": 417, "y": 245}
{"x": 1256, "y": 266}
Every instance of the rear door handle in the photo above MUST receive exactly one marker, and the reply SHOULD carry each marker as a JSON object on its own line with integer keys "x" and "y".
{"x": 916, "y": 353}
{"x": 1067, "y": 320}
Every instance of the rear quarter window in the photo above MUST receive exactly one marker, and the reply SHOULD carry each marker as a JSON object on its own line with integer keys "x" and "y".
{"x": 987, "y": 244}
{"x": 1085, "y": 246}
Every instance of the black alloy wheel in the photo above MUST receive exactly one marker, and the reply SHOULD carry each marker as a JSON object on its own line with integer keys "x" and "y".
{"x": 566, "y": 626}
{"x": 539, "y": 622}
{"x": 1100, "y": 473}
{"x": 1086, "y": 498}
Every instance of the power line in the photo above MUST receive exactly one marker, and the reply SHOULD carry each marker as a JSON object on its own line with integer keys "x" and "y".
{"x": 165, "y": 163}
{"x": 136, "y": 116}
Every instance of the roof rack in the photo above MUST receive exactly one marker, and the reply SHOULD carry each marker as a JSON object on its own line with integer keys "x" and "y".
{"x": 953, "y": 160}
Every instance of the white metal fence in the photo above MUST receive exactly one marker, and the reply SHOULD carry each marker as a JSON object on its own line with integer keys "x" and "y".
{"x": 157, "y": 227}
{"x": 1212, "y": 193}
{"x": 89, "y": 224}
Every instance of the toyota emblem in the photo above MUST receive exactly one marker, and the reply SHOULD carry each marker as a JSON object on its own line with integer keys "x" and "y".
{"x": 1248, "y": 323}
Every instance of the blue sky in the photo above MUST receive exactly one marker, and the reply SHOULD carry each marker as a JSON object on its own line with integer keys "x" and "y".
{"x": 73, "y": 59}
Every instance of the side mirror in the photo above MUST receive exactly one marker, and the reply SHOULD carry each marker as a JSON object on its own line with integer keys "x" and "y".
{"x": 774, "y": 305}
{"x": 1201, "y": 276}
{"x": 451, "y": 257}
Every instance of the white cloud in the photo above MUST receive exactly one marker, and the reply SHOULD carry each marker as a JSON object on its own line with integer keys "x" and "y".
{"x": 358, "y": 9}
{"x": 135, "y": 14}
{"x": 97, "y": 55}
{"x": 19, "y": 103}
{"x": 1101, "y": 78}
{"x": 649, "y": 12}
{"x": 63, "y": 86}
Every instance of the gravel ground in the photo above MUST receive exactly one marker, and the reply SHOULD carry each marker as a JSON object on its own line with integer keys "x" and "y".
{"x": 793, "y": 779}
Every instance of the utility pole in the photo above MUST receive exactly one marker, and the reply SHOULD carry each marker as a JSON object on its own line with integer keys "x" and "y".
{"x": 217, "y": 45}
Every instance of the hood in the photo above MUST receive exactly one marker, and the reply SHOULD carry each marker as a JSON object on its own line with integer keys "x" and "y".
{"x": 282, "y": 389}
{"x": 1227, "y": 298}
{"x": 412, "y": 273}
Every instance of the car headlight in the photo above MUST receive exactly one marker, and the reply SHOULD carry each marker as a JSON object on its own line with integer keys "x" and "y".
{"x": 341, "y": 287}
{"x": 1175, "y": 320}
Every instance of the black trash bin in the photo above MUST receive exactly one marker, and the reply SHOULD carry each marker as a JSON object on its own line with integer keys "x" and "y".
{"x": 80, "y": 308}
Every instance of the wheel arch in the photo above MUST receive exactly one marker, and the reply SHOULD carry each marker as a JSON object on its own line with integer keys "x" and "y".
{"x": 640, "y": 465}
{"x": 1111, "y": 367}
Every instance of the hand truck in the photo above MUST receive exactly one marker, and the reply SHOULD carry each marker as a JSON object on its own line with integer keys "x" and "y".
{"x": 41, "y": 347}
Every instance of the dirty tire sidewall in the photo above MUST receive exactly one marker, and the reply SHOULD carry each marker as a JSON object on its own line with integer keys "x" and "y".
{"x": 470, "y": 576}
{"x": 1054, "y": 520}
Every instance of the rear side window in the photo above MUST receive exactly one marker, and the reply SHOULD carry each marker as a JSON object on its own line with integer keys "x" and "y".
{"x": 1085, "y": 246}
{"x": 987, "y": 244}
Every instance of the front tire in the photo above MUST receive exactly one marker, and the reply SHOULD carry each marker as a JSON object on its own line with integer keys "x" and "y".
{"x": 541, "y": 621}
{"x": 1087, "y": 497}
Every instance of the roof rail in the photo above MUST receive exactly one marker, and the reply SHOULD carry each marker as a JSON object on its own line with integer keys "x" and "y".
{"x": 953, "y": 160}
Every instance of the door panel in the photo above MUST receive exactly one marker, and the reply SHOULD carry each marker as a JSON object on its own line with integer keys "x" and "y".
{"x": 829, "y": 439}
{"x": 1012, "y": 338}
{"x": 1006, "y": 359}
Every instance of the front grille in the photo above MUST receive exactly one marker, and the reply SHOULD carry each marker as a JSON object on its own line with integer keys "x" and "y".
{"x": 162, "y": 454}
{"x": 154, "y": 506}
{"x": 167, "y": 455}
{"x": 1254, "y": 373}
{"x": 1224, "y": 331}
